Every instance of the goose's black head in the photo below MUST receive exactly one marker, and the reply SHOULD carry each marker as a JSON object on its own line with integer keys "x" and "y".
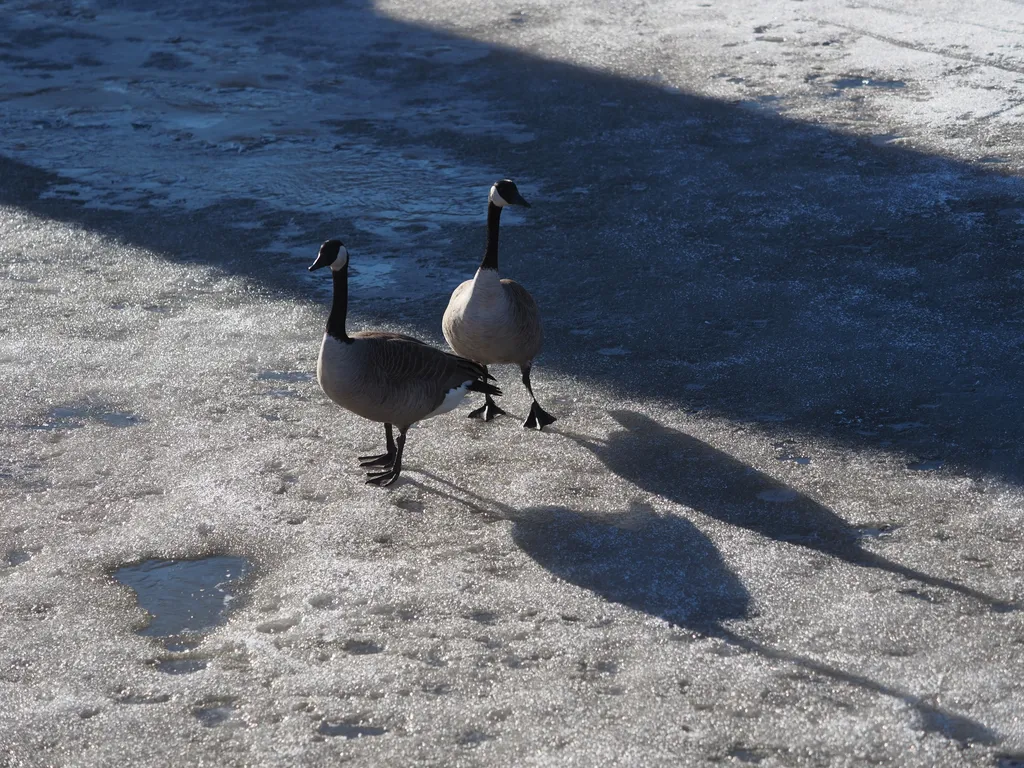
{"x": 333, "y": 253}
{"x": 504, "y": 193}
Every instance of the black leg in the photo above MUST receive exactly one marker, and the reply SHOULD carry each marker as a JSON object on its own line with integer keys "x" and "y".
{"x": 388, "y": 476}
{"x": 488, "y": 410}
{"x": 538, "y": 418}
{"x": 384, "y": 459}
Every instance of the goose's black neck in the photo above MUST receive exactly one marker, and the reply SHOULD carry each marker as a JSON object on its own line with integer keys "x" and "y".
{"x": 491, "y": 254}
{"x": 339, "y": 306}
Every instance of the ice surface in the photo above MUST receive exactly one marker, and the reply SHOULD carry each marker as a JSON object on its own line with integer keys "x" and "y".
{"x": 740, "y": 267}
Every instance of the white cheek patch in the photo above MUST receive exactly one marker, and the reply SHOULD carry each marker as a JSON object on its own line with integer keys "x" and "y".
{"x": 495, "y": 198}
{"x": 342, "y": 261}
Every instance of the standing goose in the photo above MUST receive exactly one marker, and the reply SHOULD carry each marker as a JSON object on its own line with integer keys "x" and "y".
{"x": 387, "y": 377}
{"x": 496, "y": 321}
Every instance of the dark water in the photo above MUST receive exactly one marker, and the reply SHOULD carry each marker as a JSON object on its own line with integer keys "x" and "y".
{"x": 843, "y": 83}
{"x": 185, "y": 598}
{"x": 882, "y": 531}
{"x": 16, "y": 557}
{"x": 350, "y": 730}
{"x": 76, "y": 417}
{"x": 289, "y": 376}
{"x": 216, "y": 714}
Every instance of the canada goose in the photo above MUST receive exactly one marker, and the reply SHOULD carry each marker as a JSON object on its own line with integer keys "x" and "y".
{"x": 387, "y": 377}
{"x": 496, "y": 321}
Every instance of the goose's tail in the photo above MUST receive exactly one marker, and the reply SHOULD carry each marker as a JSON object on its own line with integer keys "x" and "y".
{"x": 481, "y": 378}
{"x": 480, "y": 385}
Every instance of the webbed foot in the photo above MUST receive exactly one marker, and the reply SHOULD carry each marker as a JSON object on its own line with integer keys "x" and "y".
{"x": 383, "y": 460}
{"x": 383, "y": 479}
{"x": 487, "y": 411}
{"x": 538, "y": 418}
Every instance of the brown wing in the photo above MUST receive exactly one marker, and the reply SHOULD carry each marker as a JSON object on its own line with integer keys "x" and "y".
{"x": 525, "y": 317}
{"x": 415, "y": 370}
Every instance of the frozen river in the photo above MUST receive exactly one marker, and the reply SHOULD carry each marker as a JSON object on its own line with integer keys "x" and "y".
{"x": 776, "y": 246}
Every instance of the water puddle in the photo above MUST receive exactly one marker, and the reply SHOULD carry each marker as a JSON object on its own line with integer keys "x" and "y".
{"x": 745, "y": 755}
{"x": 211, "y": 717}
{"x": 281, "y": 393}
{"x": 16, "y": 557}
{"x": 277, "y": 626}
{"x": 179, "y": 666}
{"x": 290, "y": 376}
{"x": 474, "y": 738}
{"x": 761, "y": 104}
{"x": 284, "y": 377}
{"x": 879, "y": 531}
{"x": 349, "y": 730}
{"x": 185, "y": 598}
{"x": 803, "y": 460}
{"x": 128, "y": 696}
{"x": 361, "y": 647}
{"x": 845, "y": 83}
{"x": 886, "y": 139}
{"x": 218, "y": 714}
{"x": 75, "y": 417}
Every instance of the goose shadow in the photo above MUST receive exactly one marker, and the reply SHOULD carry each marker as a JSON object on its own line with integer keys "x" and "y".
{"x": 688, "y": 471}
{"x": 659, "y": 564}
{"x": 666, "y": 567}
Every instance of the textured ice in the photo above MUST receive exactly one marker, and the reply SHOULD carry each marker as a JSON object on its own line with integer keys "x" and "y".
{"x": 740, "y": 266}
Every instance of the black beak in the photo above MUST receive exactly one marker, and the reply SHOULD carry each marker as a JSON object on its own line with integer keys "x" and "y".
{"x": 518, "y": 199}
{"x": 321, "y": 261}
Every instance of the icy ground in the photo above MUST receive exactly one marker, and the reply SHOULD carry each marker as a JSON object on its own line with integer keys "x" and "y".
{"x": 777, "y": 247}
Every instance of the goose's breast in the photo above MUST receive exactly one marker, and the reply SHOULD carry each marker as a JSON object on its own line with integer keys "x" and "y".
{"x": 345, "y": 377}
{"x": 482, "y": 329}
{"x": 339, "y": 370}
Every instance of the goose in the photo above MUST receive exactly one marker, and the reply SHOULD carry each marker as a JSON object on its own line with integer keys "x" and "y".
{"x": 387, "y": 377}
{"x": 496, "y": 321}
